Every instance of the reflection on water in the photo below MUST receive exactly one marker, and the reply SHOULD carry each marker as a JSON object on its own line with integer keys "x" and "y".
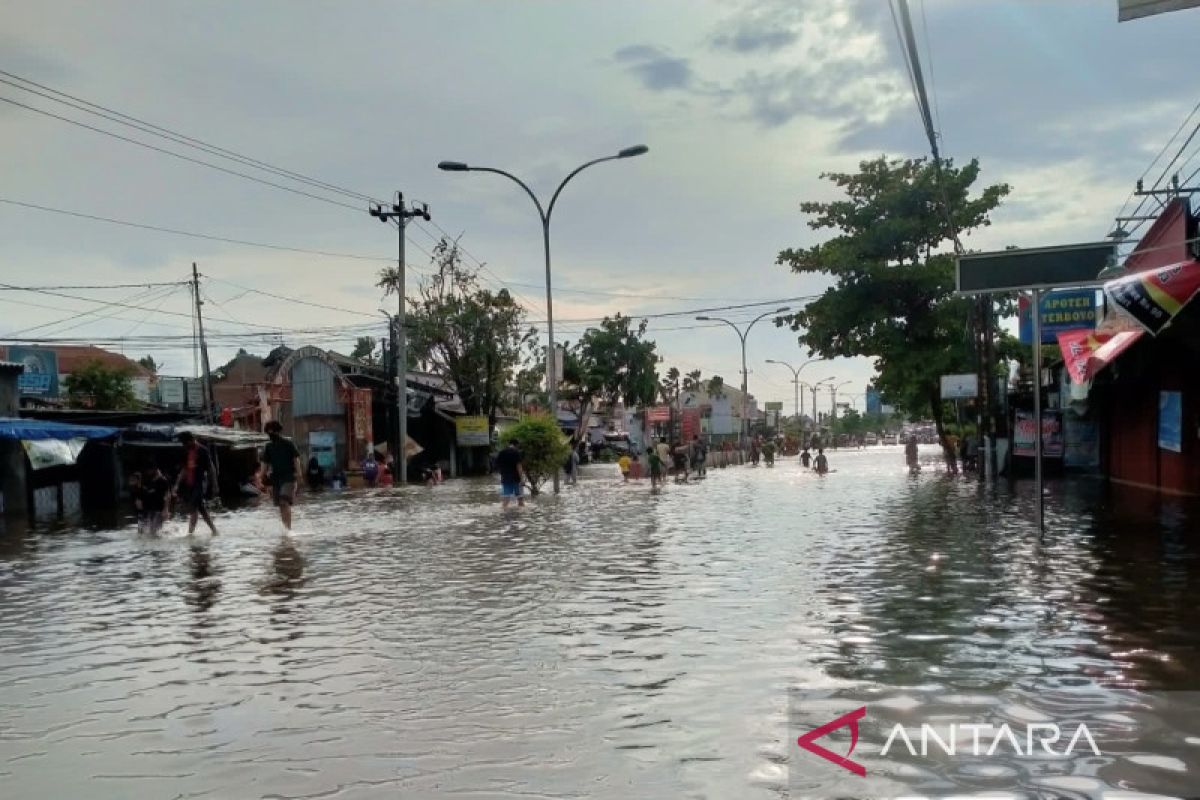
{"x": 608, "y": 643}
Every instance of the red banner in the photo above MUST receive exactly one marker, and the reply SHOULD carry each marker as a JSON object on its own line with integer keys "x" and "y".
{"x": 1154, "y": 297}
{"x": 1087, "y": 352}
{"x": 690, "y": 423}
{"x": 658, "y": 414}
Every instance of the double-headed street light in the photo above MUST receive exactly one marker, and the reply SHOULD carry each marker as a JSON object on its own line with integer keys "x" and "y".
{"x": 813, "y": 388}
{"x": 742, "y": 334}
{"x": 544, "y": 213}
{"x": 796, "y": 385}
{"x": 833, "y": 390}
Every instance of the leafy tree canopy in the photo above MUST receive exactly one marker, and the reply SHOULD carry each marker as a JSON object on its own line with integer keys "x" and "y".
{"x": 543, "y": 445}
{"x": 466, "y": 334}
{"x": 364, "y": 349}
{"x": 101, "y": 387}
{"x": 892, "y": 296}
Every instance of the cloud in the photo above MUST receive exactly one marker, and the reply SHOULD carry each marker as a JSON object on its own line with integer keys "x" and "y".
{"x": 657, "y": 70}
{"x": 750, "y": 38}
{"x": 828, "y": 63}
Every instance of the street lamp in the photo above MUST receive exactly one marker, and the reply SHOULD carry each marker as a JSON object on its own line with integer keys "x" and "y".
{"x": 545, "y": 213}
{"x": 742, "y": 334}
{"x": 796, "y": 385}
{"x": 833, "y": 390}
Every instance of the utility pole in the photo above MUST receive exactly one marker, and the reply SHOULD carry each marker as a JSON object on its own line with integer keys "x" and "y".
{"x": 401, "y": 214}
{"x": 206, "y": 392}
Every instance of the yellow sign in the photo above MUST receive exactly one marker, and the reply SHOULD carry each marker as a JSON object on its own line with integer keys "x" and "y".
{"x": 472, "y": 431}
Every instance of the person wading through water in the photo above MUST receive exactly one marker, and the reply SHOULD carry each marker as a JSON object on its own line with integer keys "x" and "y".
{"x": 283, "y": 468}
{"x": 196, "y": 481}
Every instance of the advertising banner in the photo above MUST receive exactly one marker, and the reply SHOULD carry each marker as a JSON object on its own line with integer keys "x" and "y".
{"x": 363, "y": 424}
{"x": 1170, "y": 421}
{"x": 1082, "y": 450}
{"x": 195, "y": 393}
{"x": 1087, "y": 352}
{"x": 45, "y": 453}
{"x": 171, "y": 392}
{"x": 691, "y": 423}
{"x": 721, "y": 421}
{"x": 472, "y": 431}
{"x": 772, "y": 405}
{"x": 1025, "y": 435}
{"x": 874, "y": 401}
{"x": 1062, "y": 310}
{"x": 40, "y": 378}
{"x": 658, "y": 414}
{"x": 959, "y": 387}
{"x": 1154, "y": 297}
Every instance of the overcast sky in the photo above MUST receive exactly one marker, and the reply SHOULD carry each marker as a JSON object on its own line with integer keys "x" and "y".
{"x": 743, "y": 105}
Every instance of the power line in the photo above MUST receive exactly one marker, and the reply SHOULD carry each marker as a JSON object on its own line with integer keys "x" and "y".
{"x": 193, "y": 234}
{"x": 148, "y": 285}
{"x": 180, "y": 156}
{"x": 290, "y": 299}
{"x": 157, "y": 130}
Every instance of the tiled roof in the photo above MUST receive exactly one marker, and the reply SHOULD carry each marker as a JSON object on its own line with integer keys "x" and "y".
{"x": 71, "y": 357}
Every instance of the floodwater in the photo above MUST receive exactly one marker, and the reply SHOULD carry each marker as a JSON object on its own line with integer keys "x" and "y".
{"x": 609, "y": 643}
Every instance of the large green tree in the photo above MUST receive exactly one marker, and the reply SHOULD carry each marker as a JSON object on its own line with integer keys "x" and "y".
{"x": 364, "y": 349}
{"x": 101, "y": 387}
{"x": 892, "y": 268}
{"x": 612, "y": 363}
{"x": 463, "y": 332}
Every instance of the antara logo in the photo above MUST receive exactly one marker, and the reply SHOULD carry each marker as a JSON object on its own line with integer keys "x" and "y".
{"x": 808, "y": 741}
{"x": 982, "y": 740}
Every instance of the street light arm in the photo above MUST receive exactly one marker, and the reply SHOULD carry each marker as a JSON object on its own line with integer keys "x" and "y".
{"x": 566, "y": 180}
{"x": 736, "y": 329}
{"x": 762, "y": 317}
{"x": 541, "y": 212}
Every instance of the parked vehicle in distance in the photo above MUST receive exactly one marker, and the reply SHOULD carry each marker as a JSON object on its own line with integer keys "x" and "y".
{"x": 871, "y": 439}
{"x": 890, "y": 438}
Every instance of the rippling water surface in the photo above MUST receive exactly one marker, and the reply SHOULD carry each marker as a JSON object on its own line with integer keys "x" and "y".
{"x": 609, "y": 643}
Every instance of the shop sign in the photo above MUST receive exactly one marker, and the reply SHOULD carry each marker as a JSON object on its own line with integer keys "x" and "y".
{"x": 1025, "y": 435}
{"x": 472, "y": 431}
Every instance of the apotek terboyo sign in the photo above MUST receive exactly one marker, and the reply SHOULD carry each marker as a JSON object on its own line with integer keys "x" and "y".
{"x": 1062, "y": 310}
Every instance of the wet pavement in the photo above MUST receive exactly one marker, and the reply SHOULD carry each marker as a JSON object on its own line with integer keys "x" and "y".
{"x": 609, "y": 643}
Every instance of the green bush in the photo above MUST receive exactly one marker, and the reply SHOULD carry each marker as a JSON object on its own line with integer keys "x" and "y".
{"x": 543, "y": 445}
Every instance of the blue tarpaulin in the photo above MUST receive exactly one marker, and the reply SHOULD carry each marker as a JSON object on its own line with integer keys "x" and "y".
{"x": 37, "y": 429}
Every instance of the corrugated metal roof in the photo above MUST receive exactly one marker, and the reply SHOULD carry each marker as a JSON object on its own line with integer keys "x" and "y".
{"x": 11, "y": 365}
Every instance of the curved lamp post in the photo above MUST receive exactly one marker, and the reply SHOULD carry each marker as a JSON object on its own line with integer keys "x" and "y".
{"x": 796, "y": 385}
{"x": 742, "y": 334}
{"x": 545, "y": 214}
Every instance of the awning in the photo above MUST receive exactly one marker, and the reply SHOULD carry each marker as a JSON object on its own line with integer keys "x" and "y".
{"x": 1142, "y": 303}
{"x": 1155, "y": 296}
{"x": 37, "y": 430}
{"x": 148, "y": 433}
{"x": 1086, "y": 352}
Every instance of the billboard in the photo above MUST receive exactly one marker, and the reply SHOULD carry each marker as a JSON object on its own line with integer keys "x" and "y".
{"x": 960, "y": 387}
{"x": 40, "y": 378}
{"x": 195, "y": 393}
{"x": 171, "y": 392}
{"x": 1170, "y": 421}
{"x": 1045, "y": 267}
{"x": 1062, "y": 310}
{"x": 721, "y": 419}
{"x": 772, "y": 405}
{"x": 1024, "y": 434}
{"x": 874, "y": 401}
{"x": 472, "y": 432}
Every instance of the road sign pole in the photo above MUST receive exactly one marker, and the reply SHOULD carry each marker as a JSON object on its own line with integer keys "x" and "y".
{"x": 1037, "y": 408}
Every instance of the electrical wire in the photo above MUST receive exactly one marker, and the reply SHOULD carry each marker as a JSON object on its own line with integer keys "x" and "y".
{"x": 157, "y": 130}
{"x": 180, "y": 156}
